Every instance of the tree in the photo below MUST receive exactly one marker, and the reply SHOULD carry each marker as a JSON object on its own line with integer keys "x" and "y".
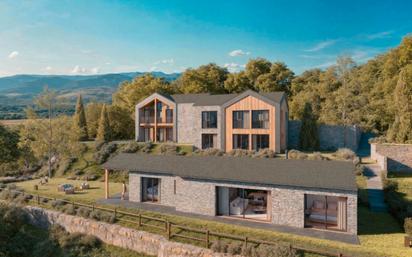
{"x": 104, "y": 132}
{"x": 79, "y": 120}
{"x": 132, "y": 92}
{"x": 121, "y": 123}
{"x": 49, "y": 100}
{"x": 257, "y": 67}
{"x": 93, "y": 111}
{"x": 208, "y": 78}
{"x": 309, "y": 136}
{"x": 8, "y": 145}
{"x": 278, "y": 78}
{"x": 401, "y": 130}
{"x": 237, "y": 82}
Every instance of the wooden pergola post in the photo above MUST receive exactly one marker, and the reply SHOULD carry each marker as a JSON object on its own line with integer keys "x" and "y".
{"x": 106, "y": 183}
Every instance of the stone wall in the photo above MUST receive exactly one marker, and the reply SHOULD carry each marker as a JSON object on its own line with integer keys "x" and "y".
{"x": 331, "y": 137}
{"x": 189, "y": 125}
{"x": 393, "y": 157}
{"x": 139, "y": 241}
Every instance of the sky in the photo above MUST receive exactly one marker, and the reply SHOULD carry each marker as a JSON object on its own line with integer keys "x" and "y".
{"x": 96, "y": 37}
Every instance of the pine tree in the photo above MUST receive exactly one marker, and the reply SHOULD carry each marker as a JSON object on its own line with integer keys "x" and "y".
{"x": 79, "y": 119}
{"x": 104, "y": 132}
{"x": 309, "y": 136}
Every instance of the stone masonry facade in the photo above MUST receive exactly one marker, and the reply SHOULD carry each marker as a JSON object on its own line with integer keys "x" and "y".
{"x": 199, "y": 197}
{"x": 398, "y": 157}
{"x": 189, "y": 125}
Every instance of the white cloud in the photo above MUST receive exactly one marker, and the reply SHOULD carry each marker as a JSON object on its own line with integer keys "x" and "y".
{"x": 95, "y": 70}
{"x": 321, "y": 46}
{"x": 238, "y": 52}
{"x": 48, "y": 68}
{"x": 325, "y": 65}
{"x": 154, "y": 68}
{"x": 13, "y": 54}
{"x": 383, "y": 34}
{"x": 165, "y": 61}
{"x": 233, "y": 67}
{"x": 79, "y": 70}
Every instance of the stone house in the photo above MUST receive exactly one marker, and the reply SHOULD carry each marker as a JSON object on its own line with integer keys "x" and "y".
{"x": 297, "y": 193}
{"x": 248, "y": 120}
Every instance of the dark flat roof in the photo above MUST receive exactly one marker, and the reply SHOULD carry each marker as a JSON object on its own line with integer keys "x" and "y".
{"x": 205, "y": 99}
{"x": 337, "y": 175}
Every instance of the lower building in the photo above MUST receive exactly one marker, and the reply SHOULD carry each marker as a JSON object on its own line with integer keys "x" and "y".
{"x": 297, "y": 193}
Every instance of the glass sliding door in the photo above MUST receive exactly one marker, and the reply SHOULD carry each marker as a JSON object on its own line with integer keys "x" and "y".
{"x": 150, "y": 189}
{"x": 260, "y": 142}
{"x": 243, "y": 203}
{"x": 325, "y": 212}
{"x": 241, "y": 141}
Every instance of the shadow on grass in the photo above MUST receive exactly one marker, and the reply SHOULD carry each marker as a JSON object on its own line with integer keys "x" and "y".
{"x": 376, "y": 223}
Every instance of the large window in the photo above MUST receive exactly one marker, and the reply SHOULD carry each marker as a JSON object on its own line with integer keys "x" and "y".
{"x": 243, "y": 203}
{"x": 325, "y": 212}
{"x": 260, "y": 142}
{"x": 241, "y": 119}
{"x": 159, "y": 107}
{"x": 240, "y": 141}
{"x": 208, "y": 141}
{"x": 169, "y": 115}
{"x": 260, "y": 119}
{"x": 150, "y": 189}
{"x": 209, "y": 119}
{"x": 147, "y": 115}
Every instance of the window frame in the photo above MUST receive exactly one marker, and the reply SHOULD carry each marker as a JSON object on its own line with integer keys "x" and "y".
{"x": 207, "y": 120}
{"x": 260, "y": 123}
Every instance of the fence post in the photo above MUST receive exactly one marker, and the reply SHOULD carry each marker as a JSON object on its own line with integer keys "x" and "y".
{"x": 207, "y": 238}
{"x": 140, "y": 220}
{"x": 92, "y": 207}
{"x": 38, "y": 199}
{"x": 245, "y": 241}
{"x": 340, "y": 255}
{"x": 115, "y": 213}
{"x": 169, "y": 230}
{"x": 74, "y": 204}
{"x": 166, "y": 224}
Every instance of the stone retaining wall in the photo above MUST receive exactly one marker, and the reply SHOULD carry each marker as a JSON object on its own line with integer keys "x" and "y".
{"x": 331, "y": 137}
{"x": 393, "y": 157}
{"x": 139, "y": 241}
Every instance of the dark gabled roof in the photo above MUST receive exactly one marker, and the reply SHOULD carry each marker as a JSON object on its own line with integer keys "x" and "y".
{"x": 205, "y": 99}
{"x": 335, "y": 175}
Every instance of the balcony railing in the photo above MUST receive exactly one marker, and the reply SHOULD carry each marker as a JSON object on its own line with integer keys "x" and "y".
{"x": 147, "y": 119}
{"x": 150, "y": 119}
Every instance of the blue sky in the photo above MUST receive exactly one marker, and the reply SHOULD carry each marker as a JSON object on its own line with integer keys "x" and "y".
{"x": 87, "y": 37}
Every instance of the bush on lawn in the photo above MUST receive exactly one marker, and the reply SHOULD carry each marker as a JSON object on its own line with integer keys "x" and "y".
{"x": 147, "y": 147}
{"x": 359, "y": 170}
{"x": 408, "y": 226}
{"x": 84, "y": 212}
{"x": 104, "y": 153}
{"x": 316, "y": 156}
{"x": 264, "y": 153}
{"x": 219, "y": 246}
{"x": 345, "y": 154}
{"x": 240, "y": 153}
{"x": 279, "y": 250}
{"x": 57, "y": 204}
{"x": 168, "y": 149}
{"x": 234, "y": 248}
{"x": 209, "y": 152}
{"x": 297, "y": 155}
{"x": 131, "y": 147}
{"x": 69, "y": 209}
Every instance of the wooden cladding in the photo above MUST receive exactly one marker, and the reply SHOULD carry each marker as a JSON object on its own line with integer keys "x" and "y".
{"x": 266, "y": 122}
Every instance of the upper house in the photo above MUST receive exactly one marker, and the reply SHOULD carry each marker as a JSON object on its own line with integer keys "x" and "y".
{"x": 248, "y": 120}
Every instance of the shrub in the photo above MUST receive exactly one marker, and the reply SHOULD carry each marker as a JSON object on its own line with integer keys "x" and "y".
{"x": 131, "y": 147}
{"x": 84, "y": 212}
{"x": 408, "y": 226}
{"x": 389, "y": 185}
{"x": 234, "y": 248}
{"x": 297, "y": 155}
{"x": 359, "y": 170}
{"x": 265, "y": 153}
{"x": 69, "y": 209}
{"x": 11, "y": 186}
{"x": 104, "y": 153}
{"x": 21, "y": 199}
{"x": 240, "y": 153}
{"x": 57, "y": 204}
{"x": 345, "y": 154}
{"x": 279, "y": 250}
{"x": 96, "y": 215}
{"x": 209, "y": 152}
{"x": 8, "y": 195}
{"x": 2, "y": 185}
{"x": 247, "y": 250}
{"x": 219, "y": 246}
{"x": 109, "y": 218}
{"x": 147, "y": 147}
{"x": 98, "y": 145}
{"x": 316, "y": 156}
{"x": 168, "y": 148}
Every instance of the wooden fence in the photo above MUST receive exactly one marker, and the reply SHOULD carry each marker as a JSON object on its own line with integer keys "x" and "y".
{"x": 169, "y": 228}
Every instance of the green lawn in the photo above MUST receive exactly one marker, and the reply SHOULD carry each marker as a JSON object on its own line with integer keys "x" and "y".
{"x": 404, "y": 183}
{"x": 95, "y": 192}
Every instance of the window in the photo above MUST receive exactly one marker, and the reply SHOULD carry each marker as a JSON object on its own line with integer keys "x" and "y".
{"x": 241, "y": 119}
{"x": 240, "y": 141}
{"x": 208, "y": 141}
{"x": 260, "y": 142}
{"x": 260, "y": 119}
{"x": 159, "y": 106}
{"x": 150, "y": 189}
{"x": 209, "y": 119}
{"x": 147, "y": 115}
{"x": 169, "y": 115}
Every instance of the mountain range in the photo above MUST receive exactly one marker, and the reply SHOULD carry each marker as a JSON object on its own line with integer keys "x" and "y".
{"x": 20, "y": 89}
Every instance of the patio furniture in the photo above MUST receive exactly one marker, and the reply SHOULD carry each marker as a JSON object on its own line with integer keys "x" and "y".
{"x": 259, "y": 210}
{"x": 84, "y": 186}
{"x": 238, "y": 206}
{"x": 65, "y": 188}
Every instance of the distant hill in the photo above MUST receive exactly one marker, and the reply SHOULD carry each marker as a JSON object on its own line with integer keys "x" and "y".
{"x": 19, "y": 90}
